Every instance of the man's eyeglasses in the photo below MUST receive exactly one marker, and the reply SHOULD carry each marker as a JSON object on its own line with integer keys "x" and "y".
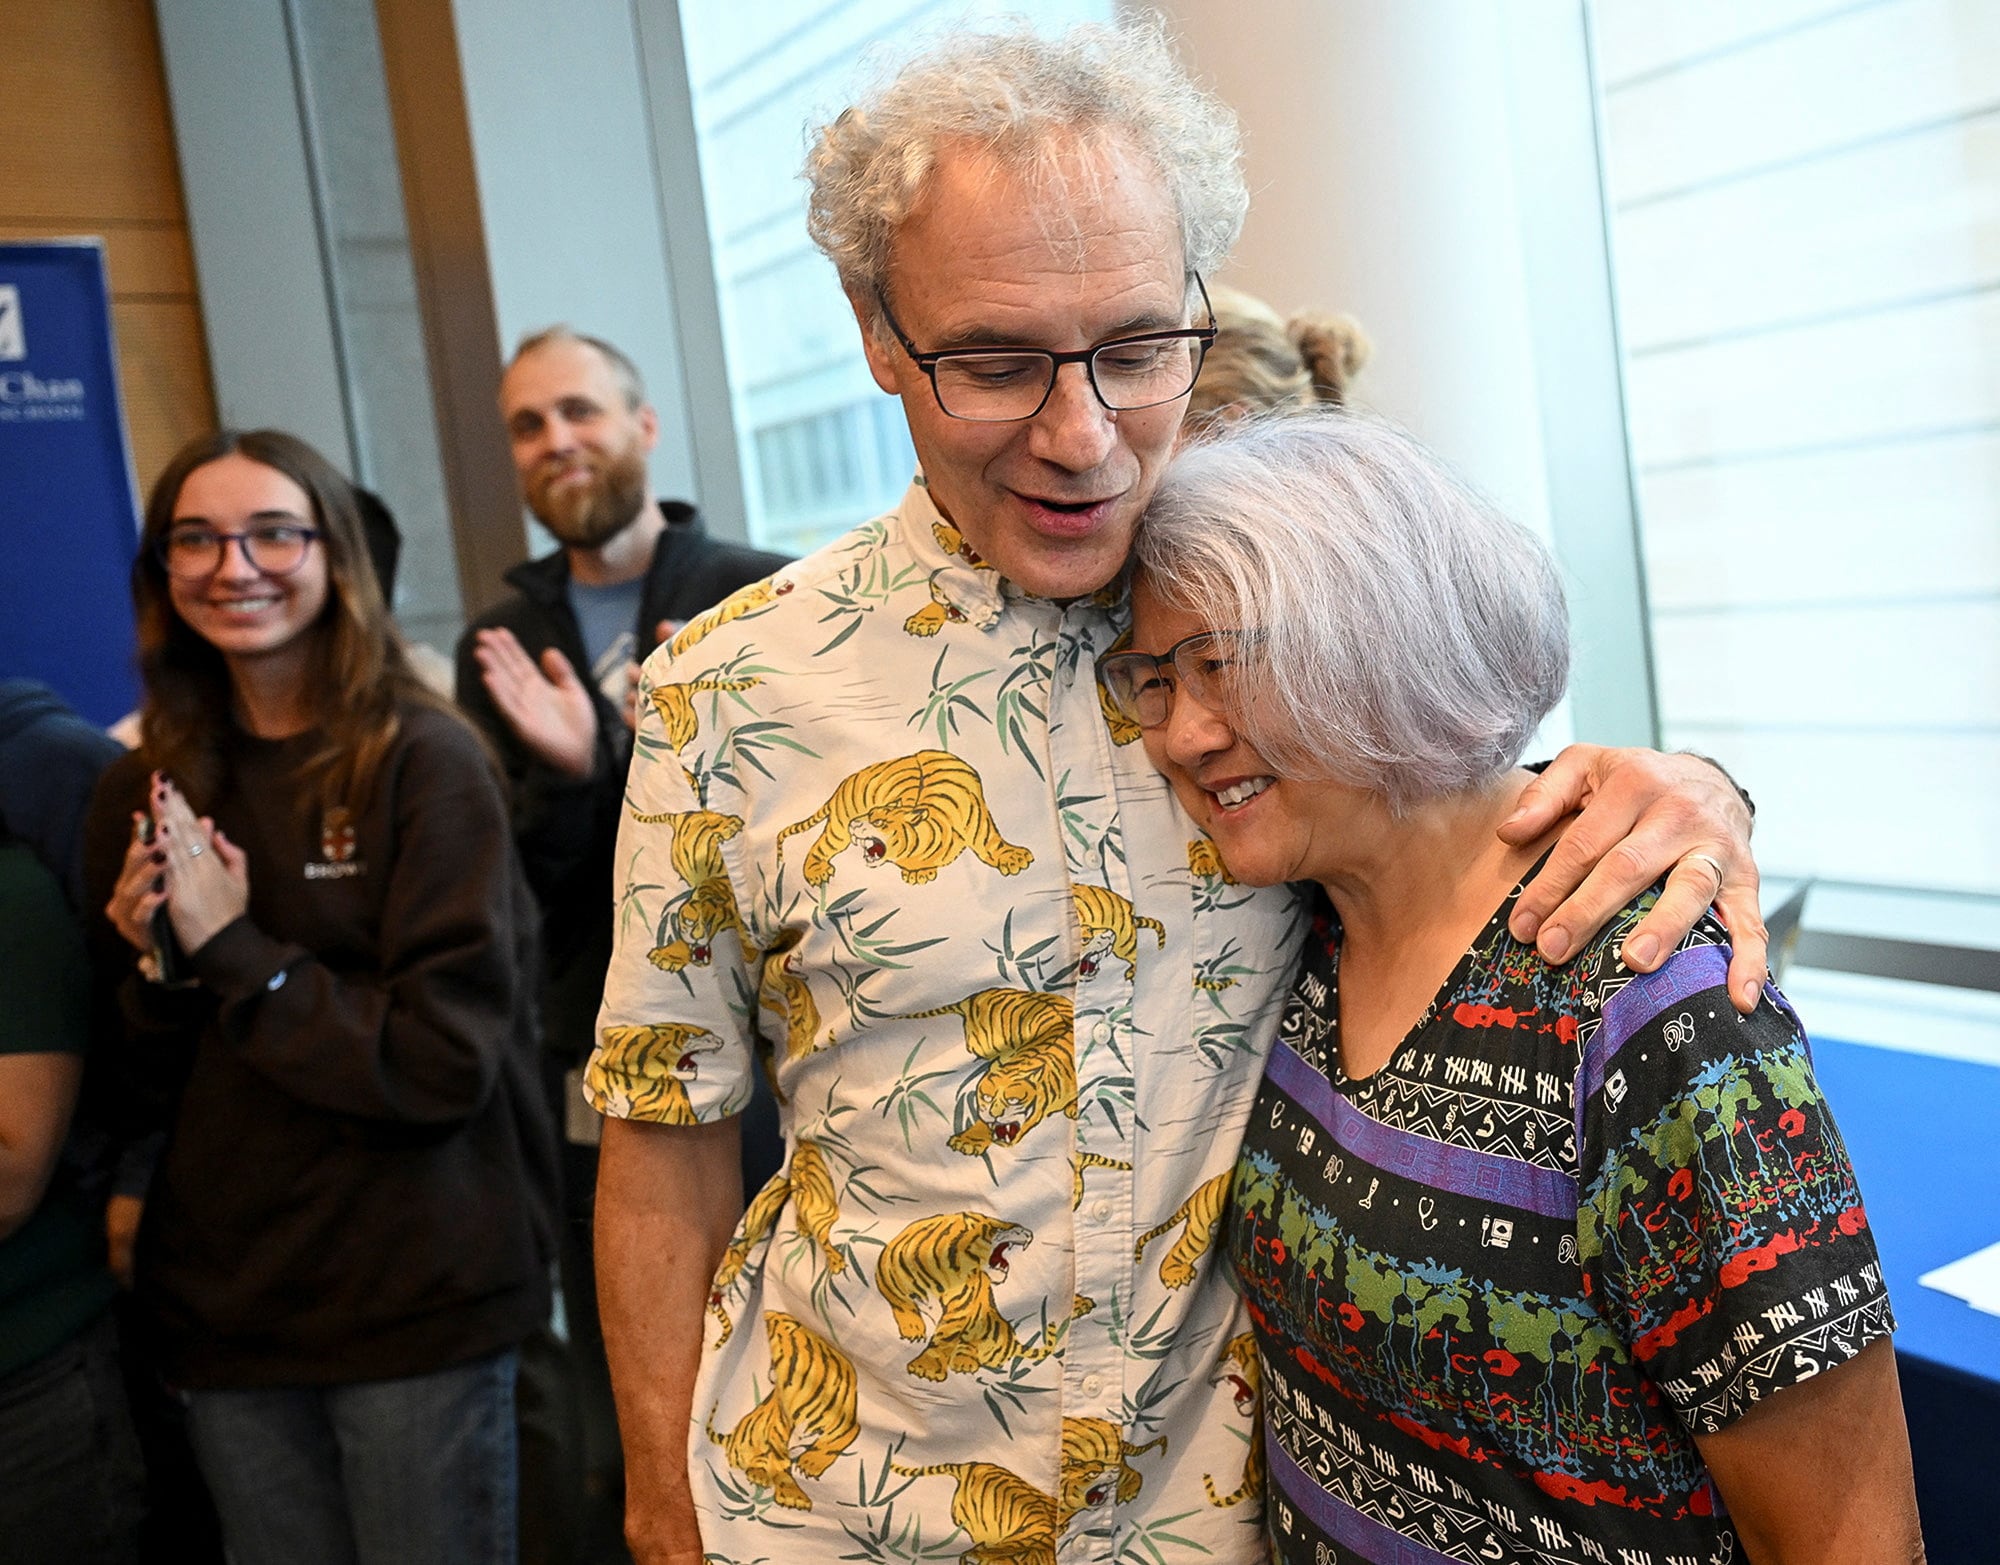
{"x": 274, "y": 548}
{"x": 1005, "y": 385}
{"x": 1141, "y": 686}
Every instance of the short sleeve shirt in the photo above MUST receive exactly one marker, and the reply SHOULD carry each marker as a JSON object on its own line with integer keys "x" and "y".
{"x": 882, "y": 831}
{"x": 1580, "y": 1217}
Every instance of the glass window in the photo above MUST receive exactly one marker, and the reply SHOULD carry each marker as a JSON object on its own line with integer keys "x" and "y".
{"x": 1808, "y": 277}
{"x": 823, "y": 449}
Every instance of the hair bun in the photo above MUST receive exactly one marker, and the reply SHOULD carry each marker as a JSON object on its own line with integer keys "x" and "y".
{"x": 1334, "y": 350}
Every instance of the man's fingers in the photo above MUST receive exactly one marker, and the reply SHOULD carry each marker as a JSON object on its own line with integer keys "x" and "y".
{"x": 501, "y": 657}
{"x": 1688, "y": 893}
{"x": 1740, "y": 909}
{"x": 1621, "y": 874}
{"x": 1589, "y": 838}
{"x": 1558, "y": 790}
{"x": 556, "y": 669}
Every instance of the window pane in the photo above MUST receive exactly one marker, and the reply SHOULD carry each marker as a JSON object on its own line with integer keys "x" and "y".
{"x": 1807, "y": 289}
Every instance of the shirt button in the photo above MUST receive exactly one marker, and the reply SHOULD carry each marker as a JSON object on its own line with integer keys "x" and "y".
{"x": 1100, "y": 1212}
{"x": 1101, "y": 1033}
{"x": 1092, "y": 1384}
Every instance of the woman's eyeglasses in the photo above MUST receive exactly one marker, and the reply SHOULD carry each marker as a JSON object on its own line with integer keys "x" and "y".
{"x": 272, "y": 548}
{"x": 1141, "y": 686}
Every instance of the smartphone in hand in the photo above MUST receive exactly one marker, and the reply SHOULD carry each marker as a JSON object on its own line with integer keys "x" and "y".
{"x": 169, "y": 966}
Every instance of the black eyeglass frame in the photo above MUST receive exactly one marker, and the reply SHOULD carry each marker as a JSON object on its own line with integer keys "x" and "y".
{"x": 1203, "y": 338}
{"x": 163, "y": 549}
{"x": 1200, "y": 682}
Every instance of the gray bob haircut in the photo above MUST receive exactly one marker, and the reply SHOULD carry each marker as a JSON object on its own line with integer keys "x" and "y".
{"x": 1023, "y": 98}
{"x": 1410, "y": 637}
{"x": 631, "y": 384}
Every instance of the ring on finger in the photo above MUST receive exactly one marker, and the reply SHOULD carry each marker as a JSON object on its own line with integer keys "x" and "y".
{"x": 1713, "y": 863}
{"x": 195, "y": 851}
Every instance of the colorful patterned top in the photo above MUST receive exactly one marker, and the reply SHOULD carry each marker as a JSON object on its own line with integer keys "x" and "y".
{"x": 1580, "y": 1217}
{"x": 880, "y": 826}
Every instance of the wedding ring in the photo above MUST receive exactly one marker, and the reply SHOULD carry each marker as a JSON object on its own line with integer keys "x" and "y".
{"x": 1714, "y": 864}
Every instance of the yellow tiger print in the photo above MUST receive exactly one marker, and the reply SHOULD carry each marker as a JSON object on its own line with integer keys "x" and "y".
{"x": 784, "y": 991}
{"x": 935, "y": 615}
{"x": 1009, "y": 1520}
{"x": 803, "y": 1423}
{"x": 1202, "y": 1212}
{"x": 1094, "y": 1469}
{"x": 1027, "y": 1036}
{"x": 658, "y": 1059}
{"x": 759, "y": 1219}
{"x": 1085, "y": 1160}
{"x": 1240, "y": 1368}
{"x": 759, "y": 595}
{"x": 709, "y": 909}
{"x": 952, "y": 541}
{"x": 815, "y": 1206}
{"x": 675, "y": 704}
{"x": 950, "y": 1263}
{"x": 1205, "y": 860}
{"x": 698, "y": 838}
{"x": 1123, "y": 729}
{"x": 1110, "y": 926}
{"x": 918, "y": 812}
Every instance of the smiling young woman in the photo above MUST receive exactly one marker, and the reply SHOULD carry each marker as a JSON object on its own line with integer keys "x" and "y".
{"x": 348, "y": 1231}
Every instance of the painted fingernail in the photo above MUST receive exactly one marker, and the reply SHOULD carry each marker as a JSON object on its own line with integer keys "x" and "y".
{"x": 1555, "y": 945}
{"x": 1640, "y": 951}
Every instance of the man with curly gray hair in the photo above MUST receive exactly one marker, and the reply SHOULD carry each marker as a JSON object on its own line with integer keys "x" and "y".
{"x": 882, "y": 830}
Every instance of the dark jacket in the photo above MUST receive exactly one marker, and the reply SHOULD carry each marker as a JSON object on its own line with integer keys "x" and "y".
{"x": 358, "y": 1181}
{"x": 568, "y": 831}
{"x": 50, "y": 759}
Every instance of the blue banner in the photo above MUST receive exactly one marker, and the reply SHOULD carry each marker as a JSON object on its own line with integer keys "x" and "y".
{"x": 68, "y": 514}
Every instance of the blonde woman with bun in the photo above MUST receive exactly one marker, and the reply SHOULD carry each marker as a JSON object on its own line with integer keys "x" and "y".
{"x": 1261, "y": 361}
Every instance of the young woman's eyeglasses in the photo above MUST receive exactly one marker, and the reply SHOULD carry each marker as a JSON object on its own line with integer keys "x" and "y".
{"x": 272, "y": 548}
{"x": 1141, "y": 686}
{"x": 1005, "y": 385}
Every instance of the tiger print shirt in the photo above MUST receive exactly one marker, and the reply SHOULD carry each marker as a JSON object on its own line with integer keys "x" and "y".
{"x": 882, "y": 829}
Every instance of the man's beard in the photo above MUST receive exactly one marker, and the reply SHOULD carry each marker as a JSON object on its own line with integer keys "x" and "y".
{"x": 586, "y": 516}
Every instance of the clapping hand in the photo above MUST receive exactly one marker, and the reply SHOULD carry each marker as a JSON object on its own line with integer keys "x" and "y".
{"x": 546, "y": 705}
{"x": 207, "y": 876}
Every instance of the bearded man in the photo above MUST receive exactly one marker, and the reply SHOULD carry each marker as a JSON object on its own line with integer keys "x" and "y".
{"x": 548, "y": 672}
{"x": 549, "y": 675}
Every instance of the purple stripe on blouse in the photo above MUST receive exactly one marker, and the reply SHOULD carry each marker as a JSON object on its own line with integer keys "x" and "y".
{"x": 1340, "y": 1521}
{"x": 1679, "y": 979}
{"x": 1483, "y": 1176}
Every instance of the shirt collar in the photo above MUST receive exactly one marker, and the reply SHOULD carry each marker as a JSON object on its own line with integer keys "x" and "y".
{"x": 966, "y": 583}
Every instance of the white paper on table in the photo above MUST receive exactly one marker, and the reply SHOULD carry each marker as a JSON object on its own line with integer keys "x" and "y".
{"x": 1975, "y": 1279}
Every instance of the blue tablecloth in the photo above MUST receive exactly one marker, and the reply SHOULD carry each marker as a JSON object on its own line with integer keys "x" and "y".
{"x": 1924, "y": 1134}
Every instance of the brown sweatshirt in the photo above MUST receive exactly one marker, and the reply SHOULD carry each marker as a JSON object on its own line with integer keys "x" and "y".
{"x": 358, "y": 1176}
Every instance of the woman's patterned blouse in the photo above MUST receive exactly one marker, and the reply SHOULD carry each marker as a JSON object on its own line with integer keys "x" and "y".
{"x": 1579, "y": 1218}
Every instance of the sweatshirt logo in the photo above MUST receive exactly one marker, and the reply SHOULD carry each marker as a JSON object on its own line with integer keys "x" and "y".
{"x": 336, "y": 846}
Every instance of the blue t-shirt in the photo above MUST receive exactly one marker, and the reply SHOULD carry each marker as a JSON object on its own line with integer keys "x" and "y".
{"x": 608, "y": 617}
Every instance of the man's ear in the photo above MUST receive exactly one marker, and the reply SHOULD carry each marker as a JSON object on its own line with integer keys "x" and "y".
{"x": 649, "y": 425}
{"x": 876, "y": 343}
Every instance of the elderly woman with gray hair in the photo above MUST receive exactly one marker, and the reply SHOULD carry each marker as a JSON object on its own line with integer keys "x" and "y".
{"x": 1544, "y": 1263}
